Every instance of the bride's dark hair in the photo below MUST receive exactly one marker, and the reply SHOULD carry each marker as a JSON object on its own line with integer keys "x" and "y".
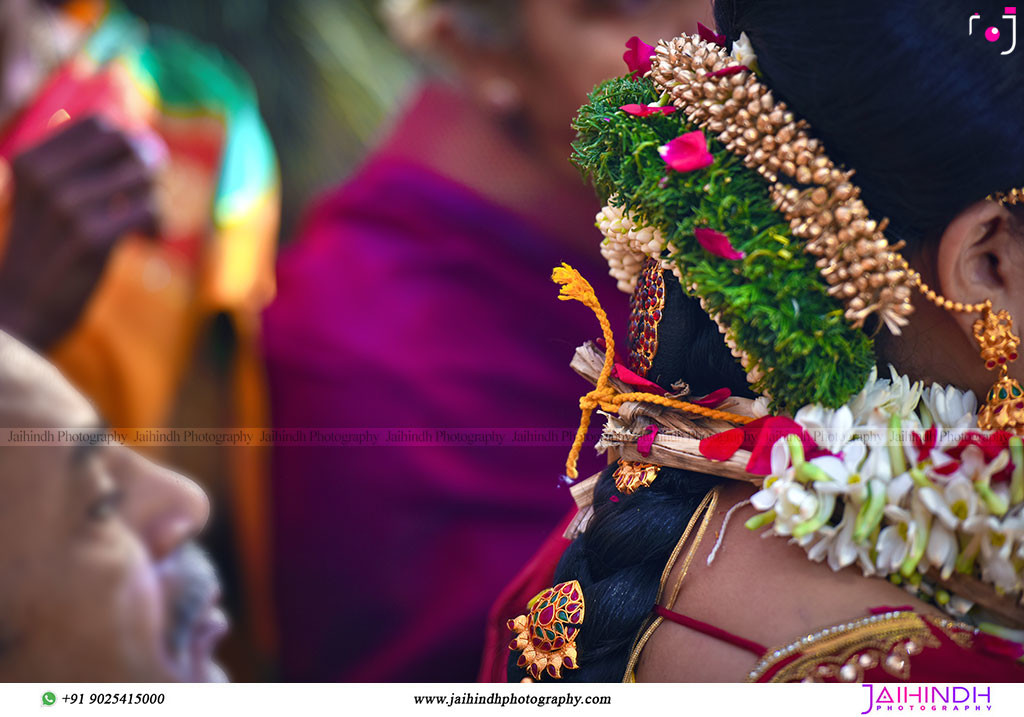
{"x": 619, "y": 559}
{"x": 928, "y": 116}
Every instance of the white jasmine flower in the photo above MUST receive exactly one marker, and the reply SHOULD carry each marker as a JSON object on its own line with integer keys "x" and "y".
{"x": 830, "y": 428}
{"x": 997, "y": 541}
{"x": 794, "y": 506}
{"x": 780, "y": 477}
{"x": 946, "y": 520}
{"x": 818, "y": 543}
{"x": 842, "y": 550}
{"x": 743, "y": 51}
{"x": 957, "y": 504}
{"x": 882, "y": 398}
{"x": 942, "y": 549}
{"x": 877, "y": 466}
{"x": 844, "y": 472}
{"x": 898, "y": 488}
{"x": 895, "y": 539}
{"x": 950, "y": 407}
{"x": 759, "y": 408}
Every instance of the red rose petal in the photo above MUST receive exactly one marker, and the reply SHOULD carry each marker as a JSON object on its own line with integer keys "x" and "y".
{"x": 762, "y": 434}
{"x": 731, "y": 70}
{"x": 722, "y": 446}
{"x": 991, "y": 445}
{"x": 708, "y": 35}
{"x": 713, "y": 399}
{"x": 625, "y": 375}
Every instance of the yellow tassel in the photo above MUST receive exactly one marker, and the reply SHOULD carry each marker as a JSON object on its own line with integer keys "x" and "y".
{"x": 575, "y": 288}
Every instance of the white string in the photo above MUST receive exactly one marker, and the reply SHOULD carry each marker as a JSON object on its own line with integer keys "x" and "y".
{"x": 721, "y": 531}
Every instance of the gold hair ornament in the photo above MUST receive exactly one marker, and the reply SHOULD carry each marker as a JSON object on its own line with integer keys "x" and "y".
{"x": 547, "y": 633}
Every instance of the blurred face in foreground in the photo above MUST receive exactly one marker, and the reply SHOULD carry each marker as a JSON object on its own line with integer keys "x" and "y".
{"x": 98, "y": 579}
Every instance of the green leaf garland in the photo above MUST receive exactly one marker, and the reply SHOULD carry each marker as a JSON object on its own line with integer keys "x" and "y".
{"x": 774, "y": 301}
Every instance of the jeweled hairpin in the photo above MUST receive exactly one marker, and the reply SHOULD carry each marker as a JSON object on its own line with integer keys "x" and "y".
{"x": 547, "y": 634}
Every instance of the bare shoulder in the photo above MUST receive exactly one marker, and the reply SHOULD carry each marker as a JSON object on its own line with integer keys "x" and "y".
{"x": 762, "y": 589}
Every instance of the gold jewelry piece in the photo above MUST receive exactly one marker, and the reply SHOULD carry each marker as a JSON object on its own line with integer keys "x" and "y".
{"x": 1014, "y": 196}
{"x": 547, "y": 634}
{"x": 1004, "y": 404}
{"x": 631, "y": 476}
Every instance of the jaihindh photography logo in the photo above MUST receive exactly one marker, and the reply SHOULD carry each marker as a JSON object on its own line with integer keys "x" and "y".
{"x": 925, "y": 698}
{"x": 995, "y": 33}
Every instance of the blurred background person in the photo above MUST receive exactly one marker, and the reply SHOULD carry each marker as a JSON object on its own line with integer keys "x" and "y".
{"x": 417, "y": 295}
{"x": 99, "y": 579}
{"x": 138, "y": 219}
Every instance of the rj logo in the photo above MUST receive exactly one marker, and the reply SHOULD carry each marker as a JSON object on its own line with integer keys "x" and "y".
{"x": 993, "y": 33}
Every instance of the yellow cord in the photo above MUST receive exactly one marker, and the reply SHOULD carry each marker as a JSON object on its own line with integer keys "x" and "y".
{"x": 575, "y": 288}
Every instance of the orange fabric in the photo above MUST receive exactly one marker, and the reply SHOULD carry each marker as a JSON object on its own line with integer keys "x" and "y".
{"x": 250, "y": 477}
{"x": 134, "y": 341}
{"x": 131, "y": 347}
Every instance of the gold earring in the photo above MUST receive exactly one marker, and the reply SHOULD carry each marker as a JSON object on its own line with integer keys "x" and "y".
{"x": 1004, "y": 404}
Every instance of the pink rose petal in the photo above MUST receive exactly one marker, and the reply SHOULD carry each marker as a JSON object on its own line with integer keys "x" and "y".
{"x": 638, "y": 56}
{"x": 708, "y": 35}
{"x": 647, "y": 110}
{"x": 645, "y": 442}
{"x": 687, "y": 152}
{"x": 717, "y": 243}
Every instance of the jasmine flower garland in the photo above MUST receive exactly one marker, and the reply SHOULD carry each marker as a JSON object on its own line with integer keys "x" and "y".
{"x": 911, "y": 484}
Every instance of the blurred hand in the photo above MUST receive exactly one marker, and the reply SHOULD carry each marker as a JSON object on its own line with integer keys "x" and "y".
{"x": 75, "y": 195}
